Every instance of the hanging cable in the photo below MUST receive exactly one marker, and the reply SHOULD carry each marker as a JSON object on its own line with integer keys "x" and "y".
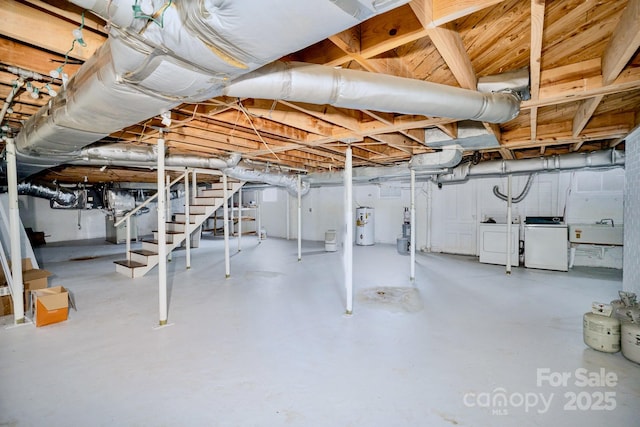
{"x": 246, "y": 113}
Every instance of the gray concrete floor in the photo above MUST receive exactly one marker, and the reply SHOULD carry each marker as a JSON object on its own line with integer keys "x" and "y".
{"x": 464, "y": 344}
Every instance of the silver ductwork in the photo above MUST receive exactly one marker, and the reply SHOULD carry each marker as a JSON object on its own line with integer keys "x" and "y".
{"x": 520, "y": 197}
{"x": 318, "y": 84}
{"x": 573, "y": 161}
{"x": 146, "y": 157}
{"x": 290, "y": 182}
{"x": 187, "y": 53}
{"x": 195, "y": 50}
{"x": 56, "y": 194}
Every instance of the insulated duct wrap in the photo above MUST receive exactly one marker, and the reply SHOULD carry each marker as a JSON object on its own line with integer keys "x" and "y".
{"x": 290, "y": 182}
{"x": 58, "y": 195}
{"x": 318, "y": 84}
{"x": 594, "y": 160}
{"x": 196, "y": 50}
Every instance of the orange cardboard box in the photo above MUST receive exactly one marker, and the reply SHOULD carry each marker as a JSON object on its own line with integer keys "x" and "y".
{"x": 52, "y": 305}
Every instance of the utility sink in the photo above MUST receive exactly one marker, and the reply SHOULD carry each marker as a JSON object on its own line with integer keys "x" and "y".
{"x": 596, "y": 234}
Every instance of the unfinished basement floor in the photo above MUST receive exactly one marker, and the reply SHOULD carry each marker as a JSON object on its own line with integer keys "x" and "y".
{"x": 271, "y": 346}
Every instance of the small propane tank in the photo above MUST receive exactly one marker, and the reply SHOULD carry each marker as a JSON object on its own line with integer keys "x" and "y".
{"x": 631, "y": 337}
{"x": 601, "y": 331}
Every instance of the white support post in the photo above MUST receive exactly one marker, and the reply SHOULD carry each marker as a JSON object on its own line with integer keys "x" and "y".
{"x": 168, "y": 214}
{"x": 348, "y": 239}
{"x": 299, "y": 218}
{"x": 14, "y": 233}
{"x": 187, "y": 219}
{"x": 194, "y": 187}
{"x": 413, "y": 226}
{"x": 259, "y": 215}
{"x": 429, "y": 213}
{"x": 239, "y": 219}
{"x": 128, "y": 242}
{"x": 288, "y": 216}
{"x": 162, "y": 235}
{"x": 509, "y": 248}
{"x": 225, "y": 217}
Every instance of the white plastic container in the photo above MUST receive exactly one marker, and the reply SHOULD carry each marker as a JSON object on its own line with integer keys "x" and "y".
{"x": 330, "y": 241}
{"x": 601, "y": 333}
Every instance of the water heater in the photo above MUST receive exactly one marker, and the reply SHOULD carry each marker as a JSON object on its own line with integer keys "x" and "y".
{"x": 365, "y": 233}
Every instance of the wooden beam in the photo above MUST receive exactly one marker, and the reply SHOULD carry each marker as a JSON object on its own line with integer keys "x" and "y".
{"x": 434, "y": 13}
{"x": 506, "y": 153}
{"x": 537, "y": 27}
{"x": 449, "y": 44}
{"x": 623, "y": 43}
{"x": 585, "y": 110}
{"x": 19, "y": 21}
{"x": 582, "y": 88}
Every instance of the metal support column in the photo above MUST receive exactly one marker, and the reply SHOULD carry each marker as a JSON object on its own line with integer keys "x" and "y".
{"x": 509, "y": 248}
{"x": 348, "y": 239}
{"x": 187, "y": 219}
{"x": 239, "y": 219}
{"x": 225, "y": 217}
{"x": 413, "y": 226}
{"x": 299, "y": 217}
{"x": 14, "y": 233}
{"x": 168, "y": 213}
{"x": 162, "y": 235}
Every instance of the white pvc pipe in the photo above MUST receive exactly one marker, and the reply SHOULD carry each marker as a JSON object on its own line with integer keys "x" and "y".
{"x": 194, "y": 186}
{"x": 508, "y": 270}
{"x": 14, "y": 233}
{"x": 259, "y": 214}
{"x": 187, "y": 219}
{"x": 288, "y": 216}
{"x": 429, "y": 213}
{"x": 299, "y": 218}
{"x": 348, "y": 239}
{"x": 168, "y": 214}
{"x": 162, "y": 236}
{"x": 128, "y": 242}
{"x": 413, "y": 225}
{"x": 225, "y": 218}
{"x": 240, "y": 219}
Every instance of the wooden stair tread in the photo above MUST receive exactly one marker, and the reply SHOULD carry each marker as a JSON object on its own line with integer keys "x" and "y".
{"x": 171, "y": 232}
{"x": 155, "y": 241}
{"x": 144, "y": 252}
{"x": 129, "y": 264}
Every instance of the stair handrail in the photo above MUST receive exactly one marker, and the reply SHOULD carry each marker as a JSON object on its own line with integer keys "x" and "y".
{"x": 132, "y": 212}
{"x": 6, "y": 269}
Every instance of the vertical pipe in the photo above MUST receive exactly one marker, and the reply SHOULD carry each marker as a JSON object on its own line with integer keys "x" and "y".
{"x": 509, "y": 248}
{"x": 348, "y": 219}
{"x": 413, "y": 225}
{"x": 168, "y": 205}
{"x": 162, "y": 235}
{"x": 239, "y": 219}
{"x": 288, "y": 216}
{"x": 128, "y": 242}
{"x": 14, "y": 233}
{"x": 187, "y": 218}
{"x": 429, "y": 213}
{"x": 259, "y": 214}
{"x": 225, "y": 218}
{"x": 194, "y": 187}
{"x": 299, "y": 217}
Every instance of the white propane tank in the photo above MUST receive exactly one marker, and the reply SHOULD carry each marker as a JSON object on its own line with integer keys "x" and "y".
{"x": 365, "y": 232}
{"x": 601, "y": 332}
{"x": 631, "y": 341}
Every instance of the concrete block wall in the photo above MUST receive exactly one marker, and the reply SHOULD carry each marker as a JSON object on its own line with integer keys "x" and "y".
{"x": 631, "y": 271}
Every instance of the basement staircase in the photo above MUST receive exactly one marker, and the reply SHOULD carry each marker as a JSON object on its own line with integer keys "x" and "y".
{"x": 208, "y": 201}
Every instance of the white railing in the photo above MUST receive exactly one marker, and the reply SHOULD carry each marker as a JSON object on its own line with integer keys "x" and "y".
{"x": 127, "y": 217}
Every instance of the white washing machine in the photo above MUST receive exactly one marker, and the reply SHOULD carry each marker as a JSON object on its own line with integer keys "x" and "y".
{"x": 546, "y": 243}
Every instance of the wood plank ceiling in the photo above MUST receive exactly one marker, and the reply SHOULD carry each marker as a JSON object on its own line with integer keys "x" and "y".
{"x": 582, "y": 56}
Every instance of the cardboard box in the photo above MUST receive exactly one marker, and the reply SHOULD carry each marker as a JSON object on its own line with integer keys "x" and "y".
{"x": 52, "y": 305}
{"x": 6, "y": 305}
{"x": 32, "y": 278}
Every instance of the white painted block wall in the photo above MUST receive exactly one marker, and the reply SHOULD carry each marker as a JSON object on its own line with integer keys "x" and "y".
{"x": 631, "y": 274}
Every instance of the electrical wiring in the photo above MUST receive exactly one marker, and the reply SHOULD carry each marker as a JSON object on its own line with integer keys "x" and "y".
{"x": 246, "y": 113}
{"x": 157, "y": 17}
